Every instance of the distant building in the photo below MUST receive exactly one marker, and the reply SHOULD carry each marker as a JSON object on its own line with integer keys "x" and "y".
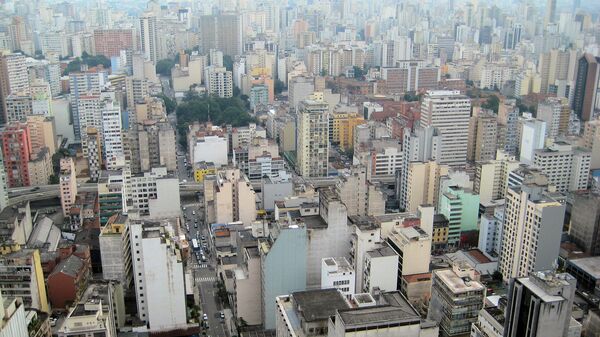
{"x": 17, "y": 151}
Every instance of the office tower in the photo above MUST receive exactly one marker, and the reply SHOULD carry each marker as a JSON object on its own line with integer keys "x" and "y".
{"x": 585, "y": 222}
{"x": 533, "y": 137}
{"x": 68, "y": 184}
{"x": 483, "y": 129}
{"x": 81, "y": 84}
{"x": 110, "y": 42}
{"x": 222, "y": 32}
{"x": 149, "y": 36}
{"x": 14, "y": 78}
{"x": 219, "y": 81}
{"x": 532, "y": 229}
{"x": 491, "y": 178}
{"x": 112, "y": 138}
{"x": 17, "y": 151}
{"x": 567, "y": 167}
{"x": 461, "y": 207}
{"x": 512, "y": 37}
{"x": 550, "y": 13}
{"x": 456, "y": 298}
{"x": 449, "y": 112}
{"x": 540, "y": 305}
{"x": 555, "y": 112}
{"x": 313, "y": 139}
{"x": 158, "y": 276}
{"x": 586, "y": 86}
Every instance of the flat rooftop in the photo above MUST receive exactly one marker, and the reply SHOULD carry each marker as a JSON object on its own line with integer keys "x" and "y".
{"x": 456, "y": 283}
{"x": 590, "y": 265}
{"x": 316, "y": 305}
{"x": 397, "y": 310}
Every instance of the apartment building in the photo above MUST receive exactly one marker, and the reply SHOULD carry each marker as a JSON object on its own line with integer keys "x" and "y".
{"x": 567, "y": 167}
{"x": 229, "y": 197}
{"x": 313, "y": 139}
{"x": 115, "y": 250}
{"x": 337, "y": 273}
{"x": 21, "y": 275}
{"x": 483, "y": 135}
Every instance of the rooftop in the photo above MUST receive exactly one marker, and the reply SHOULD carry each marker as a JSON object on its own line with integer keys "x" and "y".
{"x": 381, "y": 252}
{"x": 316, "y": 305}
{"x": 590, "y": 265}
{"x": 363, "y": 222}
{"x": 395, "y": 310}
{"x": 456, "y": 283}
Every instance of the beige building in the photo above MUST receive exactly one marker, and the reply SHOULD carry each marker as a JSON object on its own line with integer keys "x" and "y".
{"x": 68, "y": 184}
{"x": 360, "y": 196}
{"x": 591, "y": 141}
{"x": 229, "y": 197}
{"x": 423, "y": 183}
{"x": 491, "y": 178}
{"x": 156, "y": 145}
{"x": 247, "y": 294}
{"x": 313, "y": 139}
{"x": 483, "y": 129}
{"x": 42, "y": 132}
{"x": 40, "y": 168}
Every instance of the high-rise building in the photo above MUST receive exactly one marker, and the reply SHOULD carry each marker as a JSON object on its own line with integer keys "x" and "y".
{"x": 591, "y": 141}
{"x": 533, "y": 137}
{"x": 532, "y": 230}
{"x": 158, "y": 276}
{"x": 555, "y": 112}
{"x": 585, "y": 222}
{"x": 540, "y": 305}
{"x": 222, "y": 32}
{"x": 82, "y": 84}
{"x": 586, "y": 86}
{"x": 42, "y": 131}
{"x": 456, "y": 298}
{"x": 14, "y": 78}
{"x": 491, "y": 178}
{"x": 112, "y": 138}
{"x": 17, "y": 151}
{"x": 449, "y": 112}
{"x": 115, "y": 250}
{"x": 93, "y": 144}
{"x": 14, "y": 322}
{"x": 22, "y": 276}
{"x": 219, "y": 81}
{"x": 229, "y": 197}
{"x": 358, "y": 195}
{"x": 110, "y": 42}
{"x": 550, "y": 13}
{"x": 313, "y": 139}
{"x": 483, "y": 128}
{"x": 149, "y": 36}
{"x": 566, "y": 167}
{"x": 68, "y": 184}
{"x": 461, "y": 208}
{"x": 3, "y": 184}
{"x": 156, "y": 145}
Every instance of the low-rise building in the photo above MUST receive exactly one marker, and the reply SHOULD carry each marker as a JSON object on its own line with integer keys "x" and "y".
{"x": 338, "y": 274}
{"x": 67, "y": 282}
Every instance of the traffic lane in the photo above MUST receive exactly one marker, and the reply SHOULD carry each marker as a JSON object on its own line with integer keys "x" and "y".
{"x": 209, "y": 304}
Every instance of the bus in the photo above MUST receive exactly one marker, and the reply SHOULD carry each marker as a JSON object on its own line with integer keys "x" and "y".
{"x": 195, "y": 245}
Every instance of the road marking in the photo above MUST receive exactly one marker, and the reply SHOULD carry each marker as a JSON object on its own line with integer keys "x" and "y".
{"x": 205, "y": 279}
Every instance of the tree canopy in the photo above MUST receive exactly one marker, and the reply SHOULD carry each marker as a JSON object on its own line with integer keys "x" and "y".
{"x": 170, "y": 103}
{"x": 163, "y": 67}
{"x": 91, "y": 61}
{"x": 492, "y": 103}
{"x": 222, "y": 111}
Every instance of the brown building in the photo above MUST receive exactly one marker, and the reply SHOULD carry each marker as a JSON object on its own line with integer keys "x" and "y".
{"x": 67, "y": 282}
{"x": 110, "y": 42}
{"x": 586, "y": 85}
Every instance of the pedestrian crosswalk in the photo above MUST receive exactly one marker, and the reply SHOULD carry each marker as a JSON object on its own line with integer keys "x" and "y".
{"x": 205, "y": 279}
{"x": 203, "y": 265}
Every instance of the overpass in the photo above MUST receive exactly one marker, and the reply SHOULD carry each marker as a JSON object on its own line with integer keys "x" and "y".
{"x": 43, "y": 192}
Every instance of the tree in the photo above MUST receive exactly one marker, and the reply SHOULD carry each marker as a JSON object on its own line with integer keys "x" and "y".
{"x": 278, "y": 87}
{"x": 323, "y": 72}
{"x": 492, "y": 103}
{"x": 359, "y": 73}
{"x": 170, "y": 104}
{"x": 411, "y": 96}
{"x": 163, "y": 67}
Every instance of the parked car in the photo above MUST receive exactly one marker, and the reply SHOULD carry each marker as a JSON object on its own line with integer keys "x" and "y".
{"x": 205, "y": 317}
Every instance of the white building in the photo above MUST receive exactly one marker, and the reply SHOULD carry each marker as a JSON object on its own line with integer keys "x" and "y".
{"x": 449, "y": 112}
{"x": 152, "y": 194}
{"x": 380, "y": 270}
{"x": 313, "y": 139}
{"x": 490, "y": 232}
{"x": 531, "y": 232}
{"x": 219, "y": 81}
{"x": 149, "y": 36}
{"x": 12, "y": 317}
{"x": 533, "y": 136}
{"x": 158, "y": 276}
{"x": 210, "y": 149}
{"x": 111, "y": 134}
{"x": 566, "y": 167}
{"x": 337, "y": 273}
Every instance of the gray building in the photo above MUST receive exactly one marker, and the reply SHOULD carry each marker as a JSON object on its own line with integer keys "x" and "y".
{"x": 539, "y": 305}
{"x": 585, "y": 222}
{"x": 275, "y": 188}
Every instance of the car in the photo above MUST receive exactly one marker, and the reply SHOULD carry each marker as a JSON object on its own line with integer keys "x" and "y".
{"x": 184, "y": 181}
{"x": 222, "y": 315}
{"x": 203, "y": 258}
{"x": 203, "y": 238}
{"x": 193, "y": 212}
{"x": 205, "y": 317}
{"x": 196, "y": 225}
{"x": 184, "y": 208}
{"x": 36, "y": 189}
{"x": 53, "y": 321}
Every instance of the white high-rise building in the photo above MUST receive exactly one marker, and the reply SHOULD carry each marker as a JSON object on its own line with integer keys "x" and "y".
{"x": 449, "y": 111}
{"x": 532, "y": 230}
{"x": 313, "y": 138}
{"x": 533, "y": 136}
{"x": 149, "y": 36}
{"x": 567, "y": 168}
{"x": 82, "y": 85}
{"x": 158, "y": 276}
{"x": 219, "y": 81}
{"x": 111, "y": 134}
